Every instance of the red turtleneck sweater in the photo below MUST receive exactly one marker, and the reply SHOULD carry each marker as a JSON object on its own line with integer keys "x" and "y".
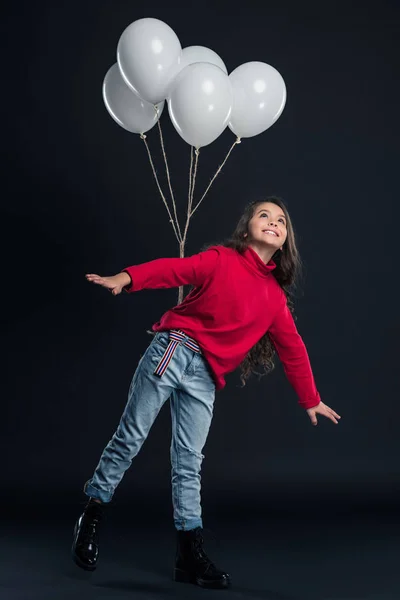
{"x": 235, "y": 301}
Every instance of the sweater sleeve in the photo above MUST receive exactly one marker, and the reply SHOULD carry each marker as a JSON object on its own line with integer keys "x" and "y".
{"x": 294, "y": 357}
{"x": 172, "y": 272}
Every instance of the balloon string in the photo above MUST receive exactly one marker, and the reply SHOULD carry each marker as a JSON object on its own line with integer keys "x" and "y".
{"x": 168, "y": 177}
{"x": 190, "y": 173}
{"x": 143, "y": 137}
{"x": 196, "y": 162}
{"x": 192, "y": 181}
{"x": 238, "y": 141}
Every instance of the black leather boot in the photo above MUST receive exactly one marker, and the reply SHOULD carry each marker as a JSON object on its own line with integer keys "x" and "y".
{"x": 192, "y": 563}
{"x": 85, "y": 547}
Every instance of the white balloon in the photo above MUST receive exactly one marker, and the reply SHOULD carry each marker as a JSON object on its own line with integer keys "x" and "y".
{"x": 259, "y": 97}
{"x": 147, "y": 51}
{"x": 126, "y": 108}
{"x": 200, "y": 103}
{"x": 195, "y": 54}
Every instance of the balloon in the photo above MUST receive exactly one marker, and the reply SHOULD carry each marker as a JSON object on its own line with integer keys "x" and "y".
{"x": 195, "y": 54}
{"x": 125, "y": 107}
{"x": 200, "y": 103}
{"x": 147, "y": 51}
{"x": 259, "y": 97}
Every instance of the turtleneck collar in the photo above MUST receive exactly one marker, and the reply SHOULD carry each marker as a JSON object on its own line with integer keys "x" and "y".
{"x": 256, "y": 264}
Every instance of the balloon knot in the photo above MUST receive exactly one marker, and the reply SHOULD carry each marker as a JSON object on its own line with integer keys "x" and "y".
{"x": 238, "y": 141}
{"x": 197, "y": 151}
{"x": 142, "y": 136}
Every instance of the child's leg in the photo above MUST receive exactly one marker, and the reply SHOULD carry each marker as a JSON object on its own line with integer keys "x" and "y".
{"x": 146, "y": 396}
{"x": 191, "y": 412}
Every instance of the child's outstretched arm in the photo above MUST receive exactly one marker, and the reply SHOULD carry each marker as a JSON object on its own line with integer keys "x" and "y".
{"x": 294, "y": 357}
{"x": 161, "y": 273}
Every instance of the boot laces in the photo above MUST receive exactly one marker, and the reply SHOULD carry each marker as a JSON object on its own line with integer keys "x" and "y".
{"x": 201, "y": 556}
{"x": 91, "y": 520}
{"x": 89, "y": 532}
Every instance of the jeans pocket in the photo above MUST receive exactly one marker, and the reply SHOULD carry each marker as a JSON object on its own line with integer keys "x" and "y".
{"x": 161, "y": 339}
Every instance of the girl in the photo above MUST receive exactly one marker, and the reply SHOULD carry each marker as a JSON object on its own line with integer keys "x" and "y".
{"x": 238, "y": 312}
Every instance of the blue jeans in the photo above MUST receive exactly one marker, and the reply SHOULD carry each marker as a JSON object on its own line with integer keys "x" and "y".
{"x": 188, "y": 382}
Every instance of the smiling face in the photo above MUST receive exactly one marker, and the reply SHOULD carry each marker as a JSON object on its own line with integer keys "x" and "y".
{"x": 267, "y": 227}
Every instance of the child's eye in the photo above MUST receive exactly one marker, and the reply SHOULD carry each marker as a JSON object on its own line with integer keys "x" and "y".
{"x": 280, "y": 219}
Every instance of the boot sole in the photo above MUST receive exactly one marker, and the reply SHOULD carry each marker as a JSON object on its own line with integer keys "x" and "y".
{"x": 187, "y": 577}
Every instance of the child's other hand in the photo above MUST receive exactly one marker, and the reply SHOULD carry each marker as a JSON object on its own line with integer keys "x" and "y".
{"x": 322, "y": 409}
{"x": 114, "y": 284}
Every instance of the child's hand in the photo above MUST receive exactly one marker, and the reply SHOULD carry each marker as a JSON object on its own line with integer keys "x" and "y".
{"x": 114, "y": 284}
{"x": 322, "y": 409}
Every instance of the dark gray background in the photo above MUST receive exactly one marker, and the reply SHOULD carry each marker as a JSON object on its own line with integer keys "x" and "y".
{"x": 79, "y": 196}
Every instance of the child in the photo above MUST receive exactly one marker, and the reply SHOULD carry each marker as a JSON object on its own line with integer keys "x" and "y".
{"x": 237, "y": 313}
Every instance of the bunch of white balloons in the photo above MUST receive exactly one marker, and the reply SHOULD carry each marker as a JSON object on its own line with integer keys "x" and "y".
{"x": 202, "y": 98}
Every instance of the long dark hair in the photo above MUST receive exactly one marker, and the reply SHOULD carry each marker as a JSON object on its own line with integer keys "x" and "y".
{"x": 287, "y": 272}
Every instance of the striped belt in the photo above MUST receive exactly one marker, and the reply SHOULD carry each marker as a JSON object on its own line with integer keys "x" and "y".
{"x": 176, "y": 337}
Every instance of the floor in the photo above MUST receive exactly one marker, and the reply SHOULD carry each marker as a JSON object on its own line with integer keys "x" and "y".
{"x": 275, "y": 556}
